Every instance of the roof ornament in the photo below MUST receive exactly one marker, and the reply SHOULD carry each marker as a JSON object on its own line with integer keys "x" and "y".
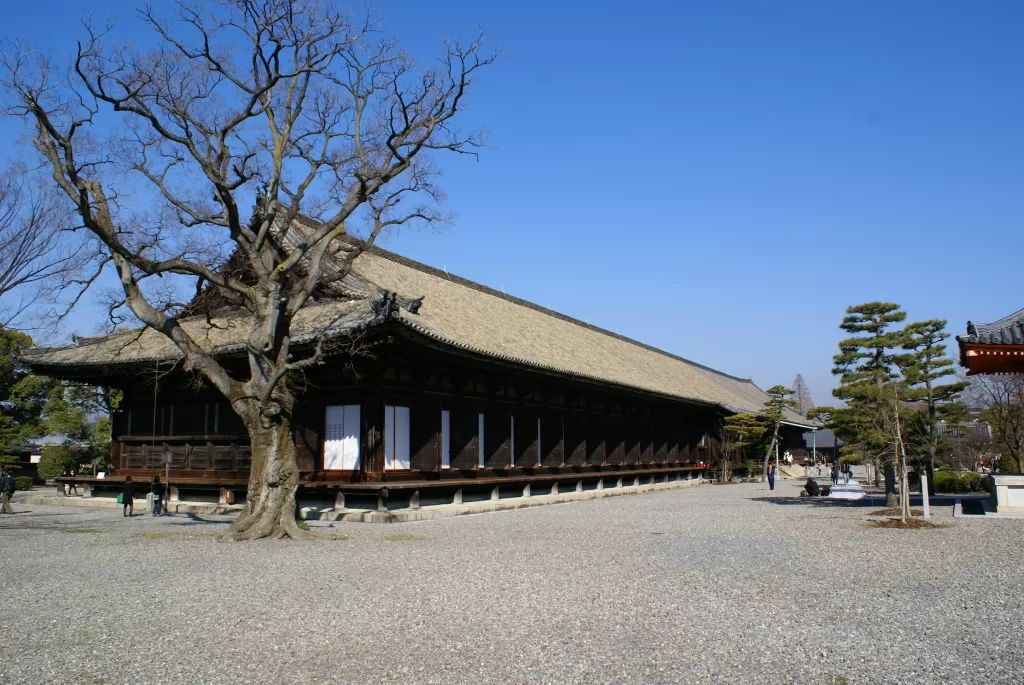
{"x": 413, "y": 306}
{"x": 971, "y": 329}
{"x": 386, "y": 305}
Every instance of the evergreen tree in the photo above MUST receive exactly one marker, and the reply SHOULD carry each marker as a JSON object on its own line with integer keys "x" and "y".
{"x": 22, "y": 395}
{"x": 866, "y": 366}
{"x": 802, "y": 395}
{"x": 924, "y": 369}
{"x": 774, "y": 408}
{"x": 748, "y": 430}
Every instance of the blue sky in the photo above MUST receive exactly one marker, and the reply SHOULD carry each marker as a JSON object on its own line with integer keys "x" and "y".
{"x": 721, "y": 179}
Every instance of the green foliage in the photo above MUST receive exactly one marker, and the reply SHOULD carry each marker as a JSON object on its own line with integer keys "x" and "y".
{"x": 1007, "y": 464}
{"x": 23, "y": 483}
{"x": 746, "y": 431}
{"x": 55, "y": 460}
{"x": 853, "y": 459}
{"x": 973, "y": 481}
{"x": 949, "y": 482}
{"x": 925, "y": 369}
{"x": 22, "y": 395}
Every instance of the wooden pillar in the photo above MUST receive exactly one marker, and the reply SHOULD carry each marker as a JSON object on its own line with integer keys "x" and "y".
{"x": 372, "y": 447}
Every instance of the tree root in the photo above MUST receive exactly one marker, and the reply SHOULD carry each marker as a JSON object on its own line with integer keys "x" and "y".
{"x": 273, "y": 525}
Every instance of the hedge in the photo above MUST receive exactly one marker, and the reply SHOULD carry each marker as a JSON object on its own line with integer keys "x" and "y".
{"x": 949, "y": 482}
{"x": 22, "y": 483}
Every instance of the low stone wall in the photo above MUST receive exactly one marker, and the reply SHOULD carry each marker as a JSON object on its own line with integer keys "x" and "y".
{"x": 1008, "y": 492}
{"x": 456, "y": 507}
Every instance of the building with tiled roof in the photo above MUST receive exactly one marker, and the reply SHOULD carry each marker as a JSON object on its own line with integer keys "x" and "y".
{"x": 993, "y": 348}
{"x": 455, "y": 382}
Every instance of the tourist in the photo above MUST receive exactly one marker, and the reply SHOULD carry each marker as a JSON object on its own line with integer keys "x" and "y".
{"x": 846, "y": 474}
{"x": 6, "y": 490}
{"x": 771, "y": 476}
{"x": 158, "y": 493}
{"x": 128, "y": 497}
{"x": 811, "y": 488}
{"x": 835, "y": 473}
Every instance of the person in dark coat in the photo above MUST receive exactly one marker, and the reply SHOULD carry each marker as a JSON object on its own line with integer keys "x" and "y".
{"x": 835, "y": 473}
{"x": 6, "y": 491}
{"x": 811, "y": 487}
{"x": 771, "y": 476}
{"x": 158, "y": 494}
{"x": 128, "y": 497}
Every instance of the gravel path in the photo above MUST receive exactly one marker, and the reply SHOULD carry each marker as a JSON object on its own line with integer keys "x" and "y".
{"x": 708, "y": 584}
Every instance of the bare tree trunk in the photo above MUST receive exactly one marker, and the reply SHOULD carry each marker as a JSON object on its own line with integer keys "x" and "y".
{"x": 270, "y": 506}
{"x": 768, "y": 454}
{"x": 892, "y": 496}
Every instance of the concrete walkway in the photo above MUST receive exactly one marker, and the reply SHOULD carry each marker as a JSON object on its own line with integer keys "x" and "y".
{"x": 852, "y": 490}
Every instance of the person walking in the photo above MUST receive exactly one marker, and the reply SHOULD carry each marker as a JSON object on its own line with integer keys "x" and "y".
{"x": 157, "y": 491}
{"x": 846, "y": 474}
{"x": 6, "y": 490}
{"x": 835, "y": 473}
{"x": 128, "y": 497}
{"x": 771, "y": 476}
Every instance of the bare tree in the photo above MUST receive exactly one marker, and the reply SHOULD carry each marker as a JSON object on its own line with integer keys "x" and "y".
{"x": 296, "y": 99}
{"x": 802, "y": 395}
{"x": 723, "y": 450}
{"x": 31, "y": 248}
{"x": 1001, "y": 399}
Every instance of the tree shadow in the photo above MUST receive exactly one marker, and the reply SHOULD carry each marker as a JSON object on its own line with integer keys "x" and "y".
{"x": 824, "y": 502}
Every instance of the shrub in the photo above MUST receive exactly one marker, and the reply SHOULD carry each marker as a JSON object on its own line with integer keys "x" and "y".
{"x": 22, "y": 483}
{"x": 1008, "y": 464}
{"x": 55, "y": 460}
{"x": 971, "y": 481}
{"x": 949, "y": 482}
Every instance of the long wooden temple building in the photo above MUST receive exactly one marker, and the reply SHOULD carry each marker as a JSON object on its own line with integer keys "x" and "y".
{"x": 468, "y": 387}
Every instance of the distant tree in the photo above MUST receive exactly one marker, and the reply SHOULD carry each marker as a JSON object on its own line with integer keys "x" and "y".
{"x": 924, "y": 370}
{"x": 742, "y": 433}
{"x": 802, "y": 395}
{"x": 75, "y": 410}
{"x": 32, "y": 249}
{"x": 23, "y": 395}
{"x": 866, "y": 365}
{"x": 55, "y": 461}
{"x": 774, "y": 412}
{"x": 723, "y": 450}
{"x": 1002, "y": 401}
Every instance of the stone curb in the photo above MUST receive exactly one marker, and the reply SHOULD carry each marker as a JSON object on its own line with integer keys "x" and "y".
{"x": 364, "y": 516}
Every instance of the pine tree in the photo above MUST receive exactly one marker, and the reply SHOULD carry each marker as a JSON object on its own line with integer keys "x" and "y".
{"x": 866, "y": 365}
{"x": 774, "y": 408}
{"x": 923, "y": 369}
{"x": 802, "y": 395}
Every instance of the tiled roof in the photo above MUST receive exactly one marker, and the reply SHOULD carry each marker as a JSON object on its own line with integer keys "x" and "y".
{"x": 1006, "y": 331}
{"x": 455, "y": 312}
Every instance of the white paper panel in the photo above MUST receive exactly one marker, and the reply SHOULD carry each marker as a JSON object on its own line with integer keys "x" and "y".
{"x": 446, "y": 440}
{"x": 341, "y": 437}
{"x": 480, "y": 439}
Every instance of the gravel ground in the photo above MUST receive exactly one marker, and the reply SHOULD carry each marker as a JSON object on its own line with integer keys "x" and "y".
{"x": 709, "y": 584}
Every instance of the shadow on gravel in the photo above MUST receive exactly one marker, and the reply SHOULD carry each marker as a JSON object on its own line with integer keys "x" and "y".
{"x": 194, "y": 520}
{"x": 823, "y": 502}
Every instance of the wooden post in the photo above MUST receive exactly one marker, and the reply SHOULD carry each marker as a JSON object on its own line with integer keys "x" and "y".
{"x": 372, "y": 452}
{"x": 924, "y": 496}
